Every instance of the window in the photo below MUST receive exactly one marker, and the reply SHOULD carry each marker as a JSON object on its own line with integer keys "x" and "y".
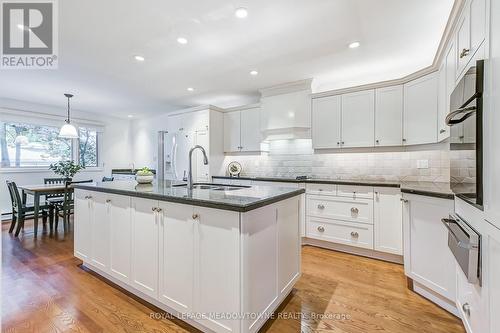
{"x": 28, "y": 145}
{"x": 24, "y": 145}
{"x": 87, "y": 147}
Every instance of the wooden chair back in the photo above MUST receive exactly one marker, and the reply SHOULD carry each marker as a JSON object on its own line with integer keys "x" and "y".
{"x": 17, "y": 203}
{"x": 54, "y": 181}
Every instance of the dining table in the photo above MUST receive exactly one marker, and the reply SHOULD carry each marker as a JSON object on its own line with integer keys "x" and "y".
{"x": 38, "y": 191}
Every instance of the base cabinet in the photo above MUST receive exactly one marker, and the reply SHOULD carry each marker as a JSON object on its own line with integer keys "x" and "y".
{"x": 207, "y": 264}
{"x": 145, "y": 246}
{"x": 387, "y": 220}
{"x": 427, "y": 258}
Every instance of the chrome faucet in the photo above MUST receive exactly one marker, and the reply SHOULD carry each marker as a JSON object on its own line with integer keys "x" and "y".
{"x": 190, "y": 173}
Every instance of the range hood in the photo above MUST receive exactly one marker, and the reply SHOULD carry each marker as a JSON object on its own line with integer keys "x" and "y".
{"x": 286, "y": 111}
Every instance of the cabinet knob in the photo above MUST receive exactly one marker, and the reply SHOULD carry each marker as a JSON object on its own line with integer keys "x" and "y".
{"x": 464, "y": 53}
{"x": 108, "y": 200}
{"x": 338, "y": 143}
{"x": 404, "y": 140}
{"x": 377, "y": 141}
{"x": 466, "y": 308}
{"x": 442, "y": 131}
{"x": 321, "y": 206}
{"x": 196, "y": 216}
{"x": 404, "y": 200}
{"x": 342, "y": 142}
{"x": 321, "y": 229}
{"x": 354, "y": 234}
{"x": 354, "y": 210}
{"x": 153, "y": 209}
{"x": 158, "y": 209}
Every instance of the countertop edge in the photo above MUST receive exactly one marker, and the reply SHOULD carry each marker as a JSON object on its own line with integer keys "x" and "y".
{"x": 439, "y": 195}
{"x": 196, "y": 202}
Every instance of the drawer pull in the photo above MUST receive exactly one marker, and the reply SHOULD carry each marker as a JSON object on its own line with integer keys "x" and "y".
{"x": 320, "y": 206}
{"x": 153, "y": 209}
{"x": 354, "y": 210}
{"x": 466, "y": 308}
{"x": 464, "y": 53}
{"x": 321, "y": 229}
{"x": 196, "y": 216}
{"x": 354, "y": 234}
{"x": 403, "y": 200}
{"x": 108, "y": 200}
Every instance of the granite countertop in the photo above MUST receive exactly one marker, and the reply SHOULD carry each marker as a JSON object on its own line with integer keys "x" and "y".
{"x": 241, "y": 200}
{"x": 438, "y": 190}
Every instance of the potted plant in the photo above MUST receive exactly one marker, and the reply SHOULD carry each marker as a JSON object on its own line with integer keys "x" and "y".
{"x": 144, "y": 176}
{"x": 66, "y": 169}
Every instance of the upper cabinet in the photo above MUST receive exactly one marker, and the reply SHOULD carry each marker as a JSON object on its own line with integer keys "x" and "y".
{"x": 389, "y": 116}
{"x": 326, "y": 122}
{"x": 420, "y": 110}
{"x": 471, "y": 32}
{"x": 242, "y": 131}
{"x": 358, "y": 116}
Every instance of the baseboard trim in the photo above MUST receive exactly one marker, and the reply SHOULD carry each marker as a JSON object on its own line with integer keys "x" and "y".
{"x": 394, "y": 258}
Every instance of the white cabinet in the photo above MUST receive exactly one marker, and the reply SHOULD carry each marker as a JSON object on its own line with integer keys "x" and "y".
{"x": 471, "y": 32}
{"x": 493, "y": 254}
{"x": 242, "y": 131}
{"x": 427, "y": 259}
{"x": 120, "y": 236}
{"x": 83, "y": 225}
{"x": 442, "y": 111}
{"x": 100, "y": 218}
{"x": 326, "y": 122}
{"x": 288, "y": 247}
{"x": 387, "y": 220}
{"x": 176, "y": 278}
{"x": 420, "y": 110}
{"x": 389, "y": 116}
{"x": 358, "y": 118}
{"x": 232, "y": 131}
{"x": 251, "y": 137}
{"x": 216, "y": 253}
{"x": 145, "y": 246}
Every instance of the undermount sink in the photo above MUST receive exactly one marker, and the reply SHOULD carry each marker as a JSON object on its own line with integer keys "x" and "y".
{"x": 215, "y": 187}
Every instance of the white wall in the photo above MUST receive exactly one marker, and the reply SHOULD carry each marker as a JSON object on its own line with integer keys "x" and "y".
{"x": 115, "y": 147}
{"x": 145, "y": 139}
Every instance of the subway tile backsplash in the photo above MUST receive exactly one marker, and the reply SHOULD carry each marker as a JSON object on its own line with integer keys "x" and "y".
{"x": 291, "y": 158}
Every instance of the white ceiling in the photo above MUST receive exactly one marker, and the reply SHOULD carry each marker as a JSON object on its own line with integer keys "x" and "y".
{"x": 285, "y": 40}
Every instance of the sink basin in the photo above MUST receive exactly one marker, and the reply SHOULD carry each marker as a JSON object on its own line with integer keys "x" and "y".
{"x": 215, "y": 187}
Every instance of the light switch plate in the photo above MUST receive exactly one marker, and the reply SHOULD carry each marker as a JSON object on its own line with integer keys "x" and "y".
{"x": 422, "y": 164}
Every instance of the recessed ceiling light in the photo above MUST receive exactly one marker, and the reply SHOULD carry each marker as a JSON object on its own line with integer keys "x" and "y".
{"x": 354, "y": 45}
{"x": 182, "y": 40}
{"x": 130, "y": 116}
{"x": 241, "y": 12}
{"x": 139, "y": 58}
{"x": 254, "y": 72}
{"x": 190, "y": 89}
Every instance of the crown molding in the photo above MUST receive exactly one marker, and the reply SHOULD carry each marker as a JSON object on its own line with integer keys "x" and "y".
{"x": 286, "y": 88}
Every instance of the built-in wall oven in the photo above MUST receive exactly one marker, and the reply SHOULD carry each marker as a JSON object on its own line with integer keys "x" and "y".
{"x": 466, "y": 136}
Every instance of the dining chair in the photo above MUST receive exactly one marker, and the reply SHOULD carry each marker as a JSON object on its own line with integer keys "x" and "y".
{"x": 21, "y": 210}
{"x": 107, "y": 179}
{"x": 65, "y": 207}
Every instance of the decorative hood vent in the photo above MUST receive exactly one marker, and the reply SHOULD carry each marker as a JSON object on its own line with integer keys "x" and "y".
{"x": 286, "y": 111}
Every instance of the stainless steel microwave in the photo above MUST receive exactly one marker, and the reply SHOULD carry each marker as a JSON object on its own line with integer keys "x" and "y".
{"x": 466, "y": 136}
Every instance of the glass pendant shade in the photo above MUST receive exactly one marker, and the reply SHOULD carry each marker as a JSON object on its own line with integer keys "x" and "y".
{"x": 68, "y": 131}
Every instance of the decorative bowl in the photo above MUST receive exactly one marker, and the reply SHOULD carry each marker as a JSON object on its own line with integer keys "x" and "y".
{"x": 144, "y": 179}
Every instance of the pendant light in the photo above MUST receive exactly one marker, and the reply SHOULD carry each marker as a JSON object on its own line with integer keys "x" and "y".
{"x": 68, "y": 131}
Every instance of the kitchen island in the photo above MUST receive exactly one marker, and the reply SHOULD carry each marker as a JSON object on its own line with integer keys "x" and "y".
{"x": 220, "y": 258}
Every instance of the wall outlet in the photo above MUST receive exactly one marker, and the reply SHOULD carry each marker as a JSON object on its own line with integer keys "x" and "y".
{"x": 422, "y": 164}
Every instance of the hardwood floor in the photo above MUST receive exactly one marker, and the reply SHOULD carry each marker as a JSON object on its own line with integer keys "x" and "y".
{"x": 45, "y": 290}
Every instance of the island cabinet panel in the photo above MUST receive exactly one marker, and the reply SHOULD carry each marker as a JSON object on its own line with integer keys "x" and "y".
{"x": 100, "y": 219}
{"x": 83, "y": 241}
{"x": 216, "y": 249}
{"x": 288, "y": 247}
{"x": 120, "y": 238}
{"x": 145, "y": 246}
{"x": 176, "y": 281}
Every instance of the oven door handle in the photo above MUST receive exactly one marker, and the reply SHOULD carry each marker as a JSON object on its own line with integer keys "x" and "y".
{"x": 467, "y": 246}
{"x": 467, "y": 112}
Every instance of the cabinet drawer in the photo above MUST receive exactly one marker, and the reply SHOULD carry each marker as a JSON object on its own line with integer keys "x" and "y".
{"x": 329, "y": 189}
{"x": 469, "y": 303}
{"x": 353, "y": 191}
{"x": 354, "y": 234}
{"x": 354, "y": 210}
